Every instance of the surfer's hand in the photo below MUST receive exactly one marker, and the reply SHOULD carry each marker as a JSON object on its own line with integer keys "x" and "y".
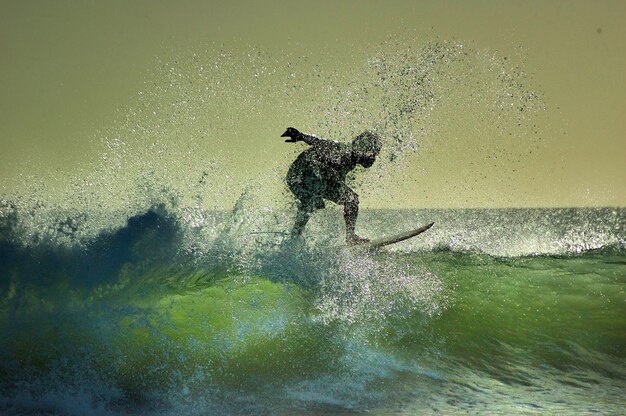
{"x": 293, "y": 134}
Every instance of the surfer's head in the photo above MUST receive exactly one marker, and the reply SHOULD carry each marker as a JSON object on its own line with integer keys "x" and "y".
{"x": 365, "y": 147}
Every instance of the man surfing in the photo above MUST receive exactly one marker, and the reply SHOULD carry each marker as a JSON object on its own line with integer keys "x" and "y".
{"x": 319, "y": 173}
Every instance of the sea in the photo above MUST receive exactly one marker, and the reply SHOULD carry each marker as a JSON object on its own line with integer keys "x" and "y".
{"x": 193, "y": 311}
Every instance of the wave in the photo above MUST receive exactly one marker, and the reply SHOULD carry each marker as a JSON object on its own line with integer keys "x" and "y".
{"x": 190, "y": 311}
{"x": 495, "y": 232}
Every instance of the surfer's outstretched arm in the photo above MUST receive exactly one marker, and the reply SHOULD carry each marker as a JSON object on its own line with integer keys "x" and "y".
{"x": 313, "y": 140}
{"x": 297, "y": 136}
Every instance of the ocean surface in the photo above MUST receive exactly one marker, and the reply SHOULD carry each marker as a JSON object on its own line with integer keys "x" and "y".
{"x": 189, "y": 311}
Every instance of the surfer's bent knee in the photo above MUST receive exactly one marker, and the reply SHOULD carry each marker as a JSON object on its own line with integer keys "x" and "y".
{"x": 350, "y": 198}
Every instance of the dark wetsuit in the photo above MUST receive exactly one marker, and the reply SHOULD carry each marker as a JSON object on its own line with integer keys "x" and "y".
{"x": 320, "y": 172}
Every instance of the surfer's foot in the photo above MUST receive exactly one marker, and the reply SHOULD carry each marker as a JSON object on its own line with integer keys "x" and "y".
{"x": 355, "y": 239}
{"x": 295, "y": 235}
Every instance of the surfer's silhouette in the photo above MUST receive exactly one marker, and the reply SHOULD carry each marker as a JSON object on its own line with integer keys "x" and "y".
{"x": 319, "y": 173}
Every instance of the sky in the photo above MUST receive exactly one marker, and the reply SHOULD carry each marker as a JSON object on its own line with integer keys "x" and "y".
{"x": 74, "y": 73}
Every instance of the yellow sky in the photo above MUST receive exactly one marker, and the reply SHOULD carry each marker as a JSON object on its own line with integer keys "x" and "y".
{"x": 71, "y": 70}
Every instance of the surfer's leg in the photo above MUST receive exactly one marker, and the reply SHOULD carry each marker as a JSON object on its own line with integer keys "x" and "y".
{"x": 350, "y": 214}
{"x": 306, "y": 206}
{"x": 307, "y": 190}
{"x": 343, "y": 195}
{"x": 302, "y": 217}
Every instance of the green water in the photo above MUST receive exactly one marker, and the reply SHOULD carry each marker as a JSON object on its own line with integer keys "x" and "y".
{"x": 310, "y": 330}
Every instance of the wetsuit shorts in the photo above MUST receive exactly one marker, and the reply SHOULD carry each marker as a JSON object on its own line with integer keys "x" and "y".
{"x": 311, "y": 192}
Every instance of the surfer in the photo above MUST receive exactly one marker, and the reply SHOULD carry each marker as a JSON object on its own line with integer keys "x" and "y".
{"x": 319, "y": 173}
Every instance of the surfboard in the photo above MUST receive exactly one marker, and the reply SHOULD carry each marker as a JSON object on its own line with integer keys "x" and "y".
{"x": 381, "y": 242}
